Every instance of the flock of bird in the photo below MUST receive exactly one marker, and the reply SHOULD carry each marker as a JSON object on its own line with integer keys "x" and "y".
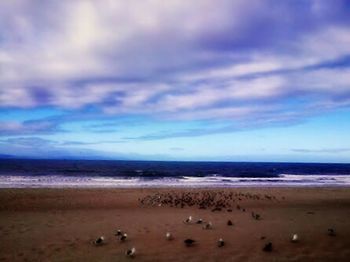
{"x": 122, "y": 236}
{"x": 216, "y": 200}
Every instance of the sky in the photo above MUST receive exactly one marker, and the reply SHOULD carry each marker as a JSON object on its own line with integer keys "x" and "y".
{"x": 206, "y": 80}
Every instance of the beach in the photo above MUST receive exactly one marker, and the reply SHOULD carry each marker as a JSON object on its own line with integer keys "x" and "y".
{"x": 61, "y": 225}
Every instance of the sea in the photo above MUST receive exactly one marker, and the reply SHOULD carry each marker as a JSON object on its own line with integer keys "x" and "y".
{"x": 35, "y": 173}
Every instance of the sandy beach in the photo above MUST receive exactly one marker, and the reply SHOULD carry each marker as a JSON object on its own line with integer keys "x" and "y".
{"x": 61, "y": 224}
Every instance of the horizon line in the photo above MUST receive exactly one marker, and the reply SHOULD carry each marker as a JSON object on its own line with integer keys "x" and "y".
{"x": 154, "y": 160}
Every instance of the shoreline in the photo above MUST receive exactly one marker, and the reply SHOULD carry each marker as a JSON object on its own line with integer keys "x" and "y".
{"x": 178, "y": 187}
{"x": 59, "y": 181}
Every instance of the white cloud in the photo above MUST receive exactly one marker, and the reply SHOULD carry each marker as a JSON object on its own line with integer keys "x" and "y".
{"x": 208, "y": 95}
{"x": 215, "y": 58}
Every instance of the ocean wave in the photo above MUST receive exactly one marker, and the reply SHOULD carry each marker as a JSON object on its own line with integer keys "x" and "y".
{"x": 59, "y": 181}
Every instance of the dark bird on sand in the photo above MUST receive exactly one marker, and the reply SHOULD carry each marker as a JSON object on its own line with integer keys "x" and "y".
{"x": 123, "y": 237}
{"x": 255, "y": 216}
{"x": 199, "y": 221}
{"x": 130, "y": 252}
{"x": 221, "y": 242}
{"x": 209, "y": 225}
{"x": 189, "y": 242}
{"x": 118, "y": 233}
{"x": 188, "y": 220}
{"x": 99, "y": 241}
{"x": 268, "y": 247}
{"x": 229, "y": 223}
{"x": 331, "y": 232}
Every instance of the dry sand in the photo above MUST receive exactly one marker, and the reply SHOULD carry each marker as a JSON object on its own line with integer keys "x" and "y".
{"x": 60, "y": 224}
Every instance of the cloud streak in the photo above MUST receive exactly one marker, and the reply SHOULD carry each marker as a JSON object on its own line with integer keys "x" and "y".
{"x": 36, "y": 147}
{"x": 42, "y": 142}
{"x": 323, "y": 150}
{"x": 10, "y": 128}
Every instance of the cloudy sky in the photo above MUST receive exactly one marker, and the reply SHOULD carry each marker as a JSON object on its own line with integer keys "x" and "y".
{"x": 181, "y": 80}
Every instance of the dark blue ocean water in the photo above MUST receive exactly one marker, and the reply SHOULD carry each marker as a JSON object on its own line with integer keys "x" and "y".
{"x": 89, "y": 173}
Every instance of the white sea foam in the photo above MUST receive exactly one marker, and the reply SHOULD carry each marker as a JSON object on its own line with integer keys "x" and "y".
{"x": 51, "y": 181}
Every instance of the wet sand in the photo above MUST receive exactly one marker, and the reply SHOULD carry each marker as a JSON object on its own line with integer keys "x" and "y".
{"x": 60, "y": 225}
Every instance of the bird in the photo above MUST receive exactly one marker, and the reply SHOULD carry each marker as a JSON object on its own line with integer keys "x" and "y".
{"x": 123, "y": 237}
{"x": 199, "y": 221}
{"x": 209, "y": 225}
{"x": 229, "y": 223}
{"x": 130, "y": 252}
{"x": 268, "y": 247}
{"x": 295, "y": 238}
{"x": 331, "y": 232}
{"x": 118, "y": 233}
{"x": 99, "y": 241}
{"x": 169, "y": 236}
{"x": 188, "y": 220}
{"x": 189, "y": 242}
{"x": 221, "y": 242}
